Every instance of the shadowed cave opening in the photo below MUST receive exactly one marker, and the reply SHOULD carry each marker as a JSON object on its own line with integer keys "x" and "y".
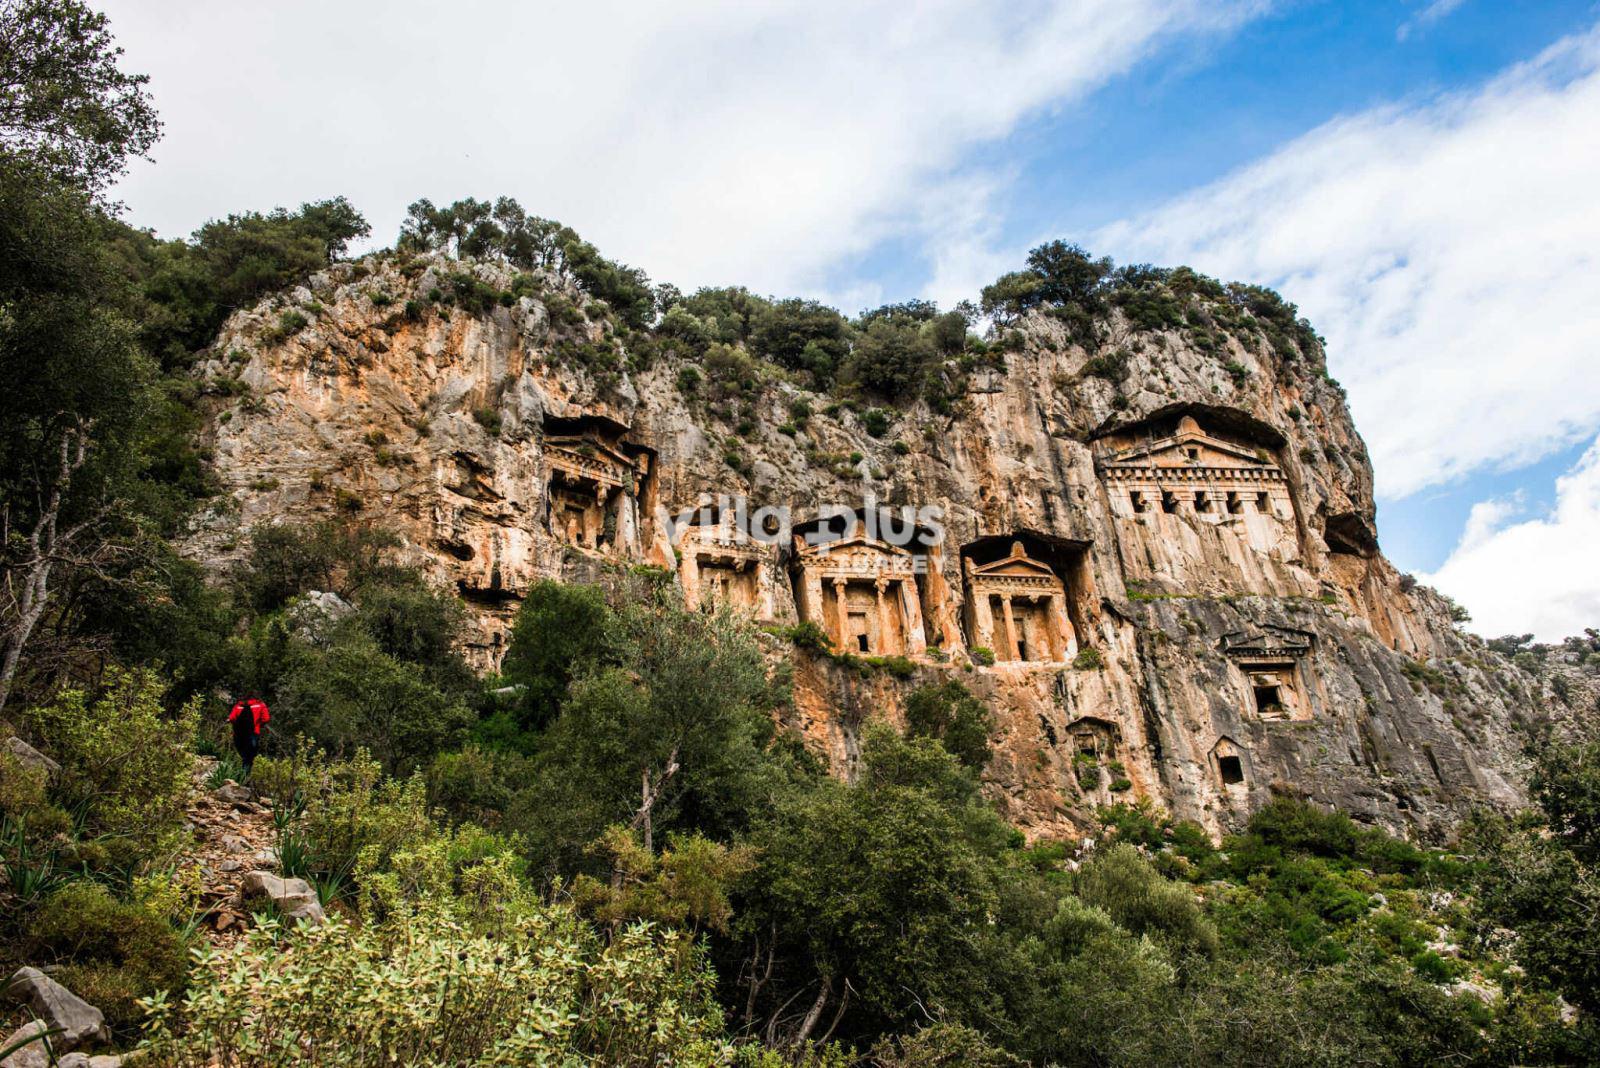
{"x": 1232, "y": 770}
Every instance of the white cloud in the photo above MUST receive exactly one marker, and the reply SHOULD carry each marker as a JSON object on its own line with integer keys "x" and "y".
{"x": 1434, "y": 12}
{"x": 1488, "y": 518}
{"x": 708, "y": 142}
{"x": 1535, "y": 576}
{"x": 1448, "y": 249}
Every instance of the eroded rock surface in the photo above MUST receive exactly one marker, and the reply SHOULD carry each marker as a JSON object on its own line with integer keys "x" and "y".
{"x": 75, "y": 1020}
{"x": 1166, "y": 583}
{"x": 294, "y": 898}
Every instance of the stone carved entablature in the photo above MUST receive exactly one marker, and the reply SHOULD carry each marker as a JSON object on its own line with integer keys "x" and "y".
{"x": 1192, "y": 455}
{"x": 580, "y": 459}
{"x": 1271, "y": 643}
{"x": 857, "y": 557}
{"x": 1196, "y": 474}
{"x": 1271, "y": 673}
{"x": 1190, "y": 470}
{"x": 710, "y": 543}
{"x": 1102, "y": 730}
{"x": 719, "y": 564}
{"x": 597, "y": 482}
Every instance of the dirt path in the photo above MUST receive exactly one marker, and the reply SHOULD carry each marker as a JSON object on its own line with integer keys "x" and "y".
{"x": 234, "y": 835}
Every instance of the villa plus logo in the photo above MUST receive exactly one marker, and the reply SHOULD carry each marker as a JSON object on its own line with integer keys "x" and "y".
{"x": 734, "y": 517}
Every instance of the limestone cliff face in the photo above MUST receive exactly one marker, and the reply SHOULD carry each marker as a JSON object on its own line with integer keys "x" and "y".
{"x": 1175, "y": 574}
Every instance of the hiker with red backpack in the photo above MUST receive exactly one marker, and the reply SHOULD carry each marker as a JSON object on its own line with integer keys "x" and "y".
{"x": 248, "y": 717}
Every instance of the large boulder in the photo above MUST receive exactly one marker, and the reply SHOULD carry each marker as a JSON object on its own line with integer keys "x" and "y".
{"x": 29, "y": 757}
{"x": 294, "y": 898}
{"x": 58, "y": 1007}
{"x": 231, "y": 793}
{"x": 31, "y": 1055}
{"x": 315, "y": 613}
{"x": 83, "y": 1060}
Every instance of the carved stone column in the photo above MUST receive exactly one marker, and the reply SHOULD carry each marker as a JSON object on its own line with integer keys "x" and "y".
{"x": 1011, "y": 627}
{"x": 841, "y": 615}
{"x": 911, "y": 611}
{"x": 1066, "y": 639}
{"x": 689, "y": 575}
{"x": 982, "y": 619}
{"x": 885, "y": 629}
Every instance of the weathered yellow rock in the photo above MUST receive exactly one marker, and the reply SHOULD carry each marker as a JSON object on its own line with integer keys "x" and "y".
{"x": 1176, "y": 577}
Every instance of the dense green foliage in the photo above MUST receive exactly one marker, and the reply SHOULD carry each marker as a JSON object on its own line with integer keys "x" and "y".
{"x": 1065, "y": 282}
{"x": 476, "y": 229}
{"x": 65, "y": 104}
{"x": 1542, "y": 879}
{"x": 185, "y": 289}
{"x": 950, "y": 713}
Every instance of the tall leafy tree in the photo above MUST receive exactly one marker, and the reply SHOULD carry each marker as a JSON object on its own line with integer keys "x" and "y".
{"x": 77, "y": 383}
{"x": 65, "y": 104}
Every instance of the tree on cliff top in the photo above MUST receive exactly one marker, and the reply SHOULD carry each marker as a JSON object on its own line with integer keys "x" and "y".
{"x": 475, "y": 229}
{"x": 187, "y": 288}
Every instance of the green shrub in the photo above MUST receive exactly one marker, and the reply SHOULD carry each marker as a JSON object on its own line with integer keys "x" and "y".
{"x": 488, "y": 418}
{"x": 808, "y": 635}
{"x": 229, "y": 769}
{"x": 983, "y": 655}
{"x": 1121, "y": 882}
{"x": 1086, "y": 769}
{"x": 899, "y": 667}
{"x": 560, "y": 630}
{"x": 1112, "y": 367}
{"x": 347, "y": 691}
{"x": 288, "y": 325}
{"x": 475, "y": 783}
{"x": 942, "y": 1045}
{"x": 950, "y": 713}
{"x": 345, "y": 815}
{"x": 422, "y": 990}
{"x": 1088, "y": 659}
{"x": 125, "y": 760}
{"x": 112, "y": 953}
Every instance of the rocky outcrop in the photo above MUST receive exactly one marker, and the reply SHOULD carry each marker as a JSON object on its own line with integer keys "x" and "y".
{"x": 1164, "y": 578}
{"x": 293, "y": 898}
{"x": 68, "y": 1020}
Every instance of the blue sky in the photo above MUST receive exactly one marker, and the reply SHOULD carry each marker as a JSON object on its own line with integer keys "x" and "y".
{"x": 1208, "y": 106}
{"x": 1420, "y": 176}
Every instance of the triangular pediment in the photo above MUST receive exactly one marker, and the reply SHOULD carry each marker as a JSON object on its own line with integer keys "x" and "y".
{"x": 589, "y": 449}
{"x": 1188, "y": 445}
{"x": 1268, "y": 641}
{"x": 1174, "y": 452}
{"x": 855, "y": 545}
{"x": 1021, "y": 566}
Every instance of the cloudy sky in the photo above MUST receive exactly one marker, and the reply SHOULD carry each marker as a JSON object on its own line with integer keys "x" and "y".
{"x": 1421, "y": 176}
